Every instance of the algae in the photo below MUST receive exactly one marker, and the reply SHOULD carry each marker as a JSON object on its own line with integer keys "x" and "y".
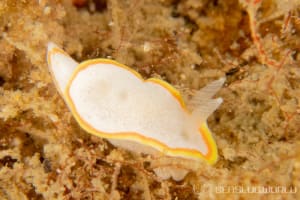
{"x": 44, "y": 154}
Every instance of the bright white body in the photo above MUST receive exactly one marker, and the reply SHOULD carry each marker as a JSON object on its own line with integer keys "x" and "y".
{"x": 112, "y": 101}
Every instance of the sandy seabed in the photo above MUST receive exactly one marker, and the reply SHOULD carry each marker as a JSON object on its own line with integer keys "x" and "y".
{"x": 44, "y": 154}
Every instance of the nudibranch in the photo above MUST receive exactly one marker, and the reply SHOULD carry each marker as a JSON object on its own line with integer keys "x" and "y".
{"x": 112, "y": 101}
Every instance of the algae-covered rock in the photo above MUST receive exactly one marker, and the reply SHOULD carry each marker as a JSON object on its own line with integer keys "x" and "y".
{"x": 44, "y": 154}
